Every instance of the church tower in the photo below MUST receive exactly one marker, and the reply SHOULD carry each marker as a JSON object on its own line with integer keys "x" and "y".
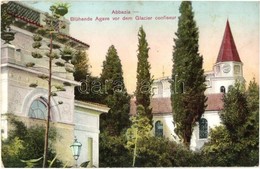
{"x": 228, "y": 67}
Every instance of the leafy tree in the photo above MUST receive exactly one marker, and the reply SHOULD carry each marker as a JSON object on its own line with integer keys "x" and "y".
{"x": 251, "y": 132}
{"x": 155, "y": 152}
{"x": 236, "y": 143}
{"x": 82, "y": 74}
{"x": 188, "y": 99}
{"x": 90, "y": 90}
{"x": 25, "y": 143}
{"x": 112, "y": 151}
{"x": 253, "y": 96}
{"x": 161, "y": 152}
{"x": 140, "y": 129}
{"x": 114, "y": 94}
{"x": 235, "y": 112}
{"x": 144, "y": 79}
{"x": 219, "y": 151}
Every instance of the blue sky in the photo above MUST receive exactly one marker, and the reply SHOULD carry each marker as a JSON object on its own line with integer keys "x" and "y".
{"x": 210, "y": 16}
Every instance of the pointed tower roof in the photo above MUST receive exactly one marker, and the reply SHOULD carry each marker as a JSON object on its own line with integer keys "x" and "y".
{"x": 228, "y": 50}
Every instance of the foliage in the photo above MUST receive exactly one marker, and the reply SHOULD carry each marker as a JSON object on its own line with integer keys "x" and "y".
{"x": 60, "y": 9}
{"x": 140, "y": 129}
{"x": 236, "y": 143}
{"x": 235, "y": 112}
{"x": 155, "y": 152}
{"x": 52, "y": 27}
{"x": 161, "y": 152}
{"x": 84, "y": 164}
{"x": 26, "y": 143}
{"x": 144, "y": 79}
{"x": 85, "y": 90}
{"x": 253, "y": 96}
{"x": 114, "y": 94}
{"x": 112, "y": 151}
{"x": 188, "y": 99}
{"x": 82, "y": 74}
{"x": 81, "y": 65}
{"x": 31, "y": 163}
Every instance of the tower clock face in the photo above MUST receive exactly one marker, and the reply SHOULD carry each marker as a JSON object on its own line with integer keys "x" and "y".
{"x": 226, "y": 68}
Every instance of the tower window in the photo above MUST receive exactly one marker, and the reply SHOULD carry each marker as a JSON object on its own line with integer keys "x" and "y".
{"x": 155, "y": 90}
{"x": 222, "y": 89}
{"x": 158, "y": 129}
{"x": 203, "y": 128}
{"x": 38, "y": 109}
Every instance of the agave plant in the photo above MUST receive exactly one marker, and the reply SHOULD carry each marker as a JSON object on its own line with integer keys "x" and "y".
{"x": 30, "y": 64}
{"x": 37, "y": 37}
{"x": 54, "y": 46}
{"x": 42, "y": 31}
{"x": 60, "y": 88}
{"x": 36, "y": 45}
{"x": 53, "y": 55}
{"x": 70, "y": 70}
{"x": 59, "y": 64}
{"x": 34, "y": 85}
{"x": 66, "y": 54}
{"x": 60, "y": 9}
{"x": 66, "y": 83}
{"x": 36, "y": 55}
{"x": 42, "y": 76}
{"x": 53, "y": 94}
{"x": 32, "y": 162}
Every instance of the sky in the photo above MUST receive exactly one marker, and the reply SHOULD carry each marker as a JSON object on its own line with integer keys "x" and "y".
{"x": 210, "y": 16}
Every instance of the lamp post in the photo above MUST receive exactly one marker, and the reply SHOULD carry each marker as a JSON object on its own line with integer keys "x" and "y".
{"x": 76, "y": 147}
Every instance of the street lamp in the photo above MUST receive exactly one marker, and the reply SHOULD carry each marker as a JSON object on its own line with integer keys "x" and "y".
{"x": 76, "y": 147}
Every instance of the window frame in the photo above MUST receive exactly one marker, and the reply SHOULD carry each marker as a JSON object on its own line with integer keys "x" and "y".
{"x": 158, "y": 131}
{"x": 32, "y": 111}
{"x": 222, "y": 89}
{"x": 205, "y": 129}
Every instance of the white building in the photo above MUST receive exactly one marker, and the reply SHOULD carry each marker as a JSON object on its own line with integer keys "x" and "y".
{"x": 72, "y": 118}
{"x": 227, "y": 69}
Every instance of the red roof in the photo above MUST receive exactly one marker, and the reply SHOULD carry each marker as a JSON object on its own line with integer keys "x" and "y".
{"x": 163, "y": 105}
{"x": 26, "y": 19}
{"x": 159, "y": 105}
{"x": 228, "y": 50}
{"x": 214, "y": 102}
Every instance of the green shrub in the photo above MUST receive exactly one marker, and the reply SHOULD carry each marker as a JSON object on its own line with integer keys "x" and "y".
{"x": 26, "y": 143}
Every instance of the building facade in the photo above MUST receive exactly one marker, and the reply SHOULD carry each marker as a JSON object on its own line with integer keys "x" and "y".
{"x": 72, "y": 118}
{"x": 226, "y": 71}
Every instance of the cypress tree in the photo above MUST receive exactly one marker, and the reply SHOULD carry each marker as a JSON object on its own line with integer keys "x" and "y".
{"x": 144, "y": 79}
{"x": 188, "y": 99}
{"x": 81, "y": 65}
{"x": 82, "y": 74}
{"x": 115, "y": 95}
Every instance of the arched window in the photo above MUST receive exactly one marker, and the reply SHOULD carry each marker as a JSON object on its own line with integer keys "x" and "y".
{"x": 38, "y": 109}
{"x": 222, "y": 89}
{"x": 158, "y": 129}
{"x": 203, "y": 128}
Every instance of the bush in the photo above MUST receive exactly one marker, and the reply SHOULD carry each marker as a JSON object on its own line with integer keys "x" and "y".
{"x": 112, "y": 151}
{"x": 161, "y": 152}
{"x": 25, "y": 143}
